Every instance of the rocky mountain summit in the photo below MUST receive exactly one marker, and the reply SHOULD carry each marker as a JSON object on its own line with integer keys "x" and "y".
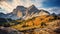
{"x": 21, "y": 12}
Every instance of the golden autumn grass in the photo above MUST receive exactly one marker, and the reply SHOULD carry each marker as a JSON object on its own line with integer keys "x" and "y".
{"x": 35, "y": 22}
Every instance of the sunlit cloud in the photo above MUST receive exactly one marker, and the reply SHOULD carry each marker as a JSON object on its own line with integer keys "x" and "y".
{"x": 54, "y": 10}
{"x": 9, "y": 6}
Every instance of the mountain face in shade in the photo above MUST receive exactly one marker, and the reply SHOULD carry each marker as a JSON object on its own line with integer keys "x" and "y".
{"x": 53, "y": 14}
{"x": 2, "y": 15}
{"x": 32, "y": 9}
{"x": 58, "y": 14}
{"x": 19, "y": 11}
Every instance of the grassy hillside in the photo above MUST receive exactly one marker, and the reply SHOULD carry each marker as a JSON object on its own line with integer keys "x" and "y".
{"x": 46, "y": 24}
{"x": 35, "y": 22}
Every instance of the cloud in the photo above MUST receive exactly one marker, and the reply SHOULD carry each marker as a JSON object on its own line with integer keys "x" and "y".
{"x": 2, "y": 0}
{"x": 27, "y": 3}
{"x": 9, "y": 6}
{"x": 54, "y": 10}
{"x": 3, "y": 10}
{"x": 6, "y": 6}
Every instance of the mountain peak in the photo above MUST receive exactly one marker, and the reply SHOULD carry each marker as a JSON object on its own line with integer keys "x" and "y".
{"x": 32, "y": 9}
{"x": 20, "y": 7}
{"x": 32, "y": 6}
{"x": 44, "y": 11}
{"x": 2, "y": 13}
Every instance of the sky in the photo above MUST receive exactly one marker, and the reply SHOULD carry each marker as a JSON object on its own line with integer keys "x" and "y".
{"x": 7, "y": 6}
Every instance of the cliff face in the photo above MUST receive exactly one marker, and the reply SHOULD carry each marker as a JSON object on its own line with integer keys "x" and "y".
{"x": 32, "y": 9}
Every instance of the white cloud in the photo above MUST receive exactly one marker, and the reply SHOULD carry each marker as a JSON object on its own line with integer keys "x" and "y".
{"x": 10, "y": 6}
{"x": 38, "y": 3}
{"x": 54, "y": 10}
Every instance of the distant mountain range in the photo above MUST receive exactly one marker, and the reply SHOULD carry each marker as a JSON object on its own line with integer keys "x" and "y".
{"x": 21, "y": 12}
{"x": 2, "y": 15}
